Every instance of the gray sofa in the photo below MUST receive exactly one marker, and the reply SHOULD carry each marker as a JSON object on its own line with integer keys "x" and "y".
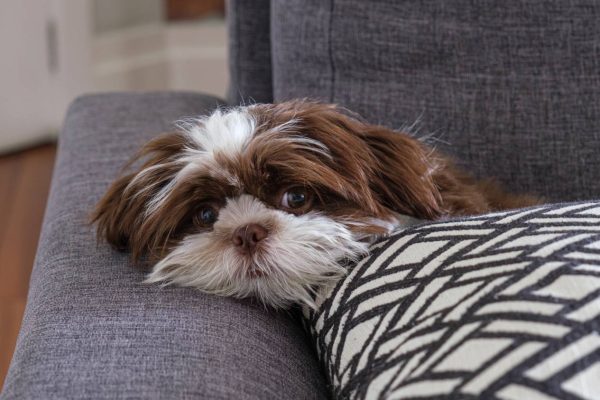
{"x": 510, "y": 88}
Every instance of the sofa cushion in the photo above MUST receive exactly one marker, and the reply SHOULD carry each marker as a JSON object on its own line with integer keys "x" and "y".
{"x": 510, "y": 88}
{"x": 505, "y": 305}
{"x": 93, "y": 330}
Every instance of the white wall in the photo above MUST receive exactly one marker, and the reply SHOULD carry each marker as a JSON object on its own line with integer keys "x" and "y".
{"x": 44, "y": 65}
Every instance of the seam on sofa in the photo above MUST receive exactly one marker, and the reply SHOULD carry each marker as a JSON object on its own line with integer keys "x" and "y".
{"x": 330, "y": 50}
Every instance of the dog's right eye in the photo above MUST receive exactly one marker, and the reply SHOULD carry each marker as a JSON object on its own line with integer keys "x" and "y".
{"x": 206, "y": 216}
{"x": 296, "y": 199}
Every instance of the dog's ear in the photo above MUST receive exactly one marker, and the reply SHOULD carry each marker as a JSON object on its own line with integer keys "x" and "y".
{"x": 121, "y": 215}
{"x": 403, "y": 177}
{"x": 390, "y": 170}
{"x": 414, "y": 179}
{"x": 383, "y": 170}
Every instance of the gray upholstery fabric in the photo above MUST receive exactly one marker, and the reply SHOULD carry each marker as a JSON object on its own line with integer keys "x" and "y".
{"x": 92, "y": 330}
{"x": 511, "y": 88}
{"x": 249, "y": 51}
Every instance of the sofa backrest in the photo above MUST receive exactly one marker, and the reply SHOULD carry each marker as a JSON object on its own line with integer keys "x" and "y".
{"x": 249, "y": 51}
{"x": 511, "y": 88}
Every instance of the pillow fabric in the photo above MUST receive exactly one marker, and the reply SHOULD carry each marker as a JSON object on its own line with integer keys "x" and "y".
{"x": 504, "y": 305}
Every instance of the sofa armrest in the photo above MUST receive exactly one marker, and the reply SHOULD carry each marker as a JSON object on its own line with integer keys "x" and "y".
{"x": 92, "y": 330}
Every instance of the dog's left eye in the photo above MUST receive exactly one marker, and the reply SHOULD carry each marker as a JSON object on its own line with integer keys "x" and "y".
{"x": 296, "y": 198}
{"x": 206, "y": 216}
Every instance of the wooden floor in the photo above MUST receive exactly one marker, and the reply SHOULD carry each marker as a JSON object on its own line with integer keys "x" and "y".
{"x": 24, "y": 183}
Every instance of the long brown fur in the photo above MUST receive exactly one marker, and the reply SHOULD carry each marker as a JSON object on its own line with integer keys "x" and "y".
{"x": 371, "y": 172}
{"x": 393, "y": 169}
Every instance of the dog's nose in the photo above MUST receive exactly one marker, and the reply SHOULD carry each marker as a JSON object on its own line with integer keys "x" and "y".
{"x": 247, "y": 237}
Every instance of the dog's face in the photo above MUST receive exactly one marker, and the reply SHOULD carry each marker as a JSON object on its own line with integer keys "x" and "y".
{"x": 266, "y": 200}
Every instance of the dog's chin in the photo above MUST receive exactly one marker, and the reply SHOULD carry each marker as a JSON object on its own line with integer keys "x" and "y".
{"x": 287, "y": 270}
{"x": 278, "y": 280}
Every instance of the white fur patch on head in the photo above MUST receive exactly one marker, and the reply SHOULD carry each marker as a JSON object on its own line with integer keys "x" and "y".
{"x": 227, "y": 132}
{"x": 300, "y": 254}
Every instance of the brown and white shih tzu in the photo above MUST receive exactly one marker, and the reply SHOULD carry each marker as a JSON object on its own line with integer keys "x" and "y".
{"x": 267, "y": 200}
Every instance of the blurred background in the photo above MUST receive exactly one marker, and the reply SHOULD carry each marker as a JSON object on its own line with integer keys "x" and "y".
{"x": 55, "y": 50}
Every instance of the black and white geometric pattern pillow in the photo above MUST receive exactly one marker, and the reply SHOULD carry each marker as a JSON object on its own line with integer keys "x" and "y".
{"x": 501, "y": 306}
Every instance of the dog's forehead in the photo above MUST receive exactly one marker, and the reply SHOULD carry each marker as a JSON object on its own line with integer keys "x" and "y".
{"x": 242, "y": 144}
{"x": 230, "y": 131}
{"x": 262, "y": 149}
{"x": 218, "y": 148}
{"x": 226, "y": 133}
